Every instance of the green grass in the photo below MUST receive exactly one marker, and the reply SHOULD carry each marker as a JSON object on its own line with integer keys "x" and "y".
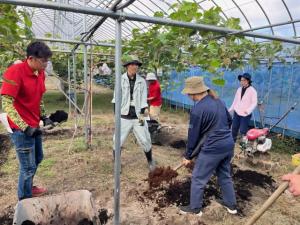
{"x": 55, "y": 100}
{"x": 79, "y": 144}
{"x": 285, "y": 145}
{"x": 45, "y": 168}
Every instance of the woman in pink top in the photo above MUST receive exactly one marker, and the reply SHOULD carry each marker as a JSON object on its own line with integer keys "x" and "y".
{"x": 244, "y": 103}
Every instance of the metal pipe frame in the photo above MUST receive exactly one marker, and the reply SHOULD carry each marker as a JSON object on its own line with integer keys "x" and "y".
{"x": 93, "y": 53}
{"x": 264, "y": 12}
{"x": 117, "y": 147}
{"x": 239, "y": 8}
{"x": 253, "y": 29}
{"x": 139, "y": 18}
{"x": 290, "y": 15}
{"x": 74, "y": 42}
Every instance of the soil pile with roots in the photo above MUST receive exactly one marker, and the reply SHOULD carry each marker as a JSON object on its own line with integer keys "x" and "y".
{"x": 161, "y": 175}
{"x": 178, "y": 192}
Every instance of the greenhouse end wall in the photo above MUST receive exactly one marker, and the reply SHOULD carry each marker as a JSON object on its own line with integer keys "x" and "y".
{"x": 278, "y": 89}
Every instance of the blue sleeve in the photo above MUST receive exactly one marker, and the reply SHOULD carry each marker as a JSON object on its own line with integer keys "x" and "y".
{"x": 193, "y": 134}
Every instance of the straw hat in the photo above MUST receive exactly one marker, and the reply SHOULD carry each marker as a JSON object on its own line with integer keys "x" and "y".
{"x": 151, "y": 76}
{"x": 194, "y": 85}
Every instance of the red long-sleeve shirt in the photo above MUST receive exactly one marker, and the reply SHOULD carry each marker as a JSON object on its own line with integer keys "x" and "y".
{"x": 154, "y": 91}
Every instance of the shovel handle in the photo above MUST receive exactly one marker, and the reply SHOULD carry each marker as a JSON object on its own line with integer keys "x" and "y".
{"x": 271, "y": 200}
{"x": 178, "y": 166}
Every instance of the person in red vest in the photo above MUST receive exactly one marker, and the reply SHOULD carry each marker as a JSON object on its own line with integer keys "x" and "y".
{"x": 154, "y": 96}
{"x": 22, "y": 91}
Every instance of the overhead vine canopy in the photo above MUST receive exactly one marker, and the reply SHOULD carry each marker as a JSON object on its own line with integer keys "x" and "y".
{"x": 163, "y": 47}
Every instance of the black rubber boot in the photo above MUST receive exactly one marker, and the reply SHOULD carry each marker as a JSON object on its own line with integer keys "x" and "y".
{"x": 151, "y": 162}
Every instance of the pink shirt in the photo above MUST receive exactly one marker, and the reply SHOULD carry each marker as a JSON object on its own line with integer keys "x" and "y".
{"x": 246, "y": 105}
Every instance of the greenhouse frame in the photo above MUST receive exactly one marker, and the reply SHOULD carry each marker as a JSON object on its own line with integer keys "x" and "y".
{"x": 107, "y": 22}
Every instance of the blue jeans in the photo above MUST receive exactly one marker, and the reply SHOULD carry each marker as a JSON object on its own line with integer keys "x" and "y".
{"x": 240, "y": 123}
{"x": 30, "y": 154}
{"x": 206, "y": 164}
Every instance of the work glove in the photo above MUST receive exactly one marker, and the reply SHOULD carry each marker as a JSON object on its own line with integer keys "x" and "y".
{"x": 47, "y": 121}
{"x": 32, "y": 132}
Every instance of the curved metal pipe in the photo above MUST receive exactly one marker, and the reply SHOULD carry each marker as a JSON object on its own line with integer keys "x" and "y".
{"x": 124, "y": 5}
{"x": 290, "y": 15}
{"x": 264, "y": 12}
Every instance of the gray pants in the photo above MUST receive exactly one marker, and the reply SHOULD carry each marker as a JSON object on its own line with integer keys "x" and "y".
{"x": 140, "y": 132}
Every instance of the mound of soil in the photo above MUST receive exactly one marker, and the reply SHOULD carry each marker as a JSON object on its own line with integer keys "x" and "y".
{"x": 6, "y": 217}
{"x": 178, "y": 192}
{"x": 103, "y": 217}
{"x": 161, "y": 175}
{"x": 179, "y": 144}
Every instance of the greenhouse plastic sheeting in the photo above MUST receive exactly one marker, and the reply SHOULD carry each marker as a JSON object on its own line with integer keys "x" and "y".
{"x": 278, "y": 89}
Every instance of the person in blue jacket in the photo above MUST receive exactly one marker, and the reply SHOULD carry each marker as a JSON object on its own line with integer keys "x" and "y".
{"x": 210, "y": 122}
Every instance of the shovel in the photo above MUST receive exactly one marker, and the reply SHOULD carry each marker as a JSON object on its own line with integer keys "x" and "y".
{"x": 271, "y": 200}
{"x": 178, "y": 166}
{"x": 195, "y": 152}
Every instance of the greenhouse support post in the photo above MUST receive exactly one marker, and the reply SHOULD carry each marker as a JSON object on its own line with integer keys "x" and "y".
{"x": 118, "y": 53}
{"x": 69, "y": 84}
{"x": 75, "y": 83}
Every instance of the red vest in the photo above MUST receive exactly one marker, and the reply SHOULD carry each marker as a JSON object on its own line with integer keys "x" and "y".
{"x": 154, "y": 91}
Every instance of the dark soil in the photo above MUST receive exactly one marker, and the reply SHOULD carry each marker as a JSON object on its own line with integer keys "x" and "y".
{"x": 6, "y": 217}
{"x": 160, "y": 175}
{"x": 103, "y": 217}
{"x": 62, "y": 133}
{"x": 178, "y": 192}
{"x": 5, "y": 146}
{"x": 179, "y": 144}
{"x": 27, "y": 222}
{"x": 85, "y": 221}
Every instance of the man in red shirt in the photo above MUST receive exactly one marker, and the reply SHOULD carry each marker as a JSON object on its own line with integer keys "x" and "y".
{"x": 154, "y": 96}
{"x": 22, "y": 91}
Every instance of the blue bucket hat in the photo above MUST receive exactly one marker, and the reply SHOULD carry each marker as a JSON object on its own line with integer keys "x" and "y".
{"x": 246, "y": 76}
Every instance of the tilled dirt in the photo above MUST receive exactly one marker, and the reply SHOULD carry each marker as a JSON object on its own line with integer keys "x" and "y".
{"x": 5, "y": 146}
{"x": 161, "y": 175}
{"x": 178, "y": 192}
{"x": 6, "y": 216}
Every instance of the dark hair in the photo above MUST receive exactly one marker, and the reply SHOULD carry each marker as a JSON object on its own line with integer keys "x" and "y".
{"x": 38, "y": 49}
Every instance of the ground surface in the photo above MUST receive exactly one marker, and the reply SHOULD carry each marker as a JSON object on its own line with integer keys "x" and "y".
{"x": 66, "y": 169}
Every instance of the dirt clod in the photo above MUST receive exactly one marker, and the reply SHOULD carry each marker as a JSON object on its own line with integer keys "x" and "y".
{"x": 85, "y": 221}
{"x": 103, "y": 216}
{"x": 160, "y": 175}
{"x": 28, "y": 222}
{"x": 179, "y": 144}
{"x": 6, "y": 216}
